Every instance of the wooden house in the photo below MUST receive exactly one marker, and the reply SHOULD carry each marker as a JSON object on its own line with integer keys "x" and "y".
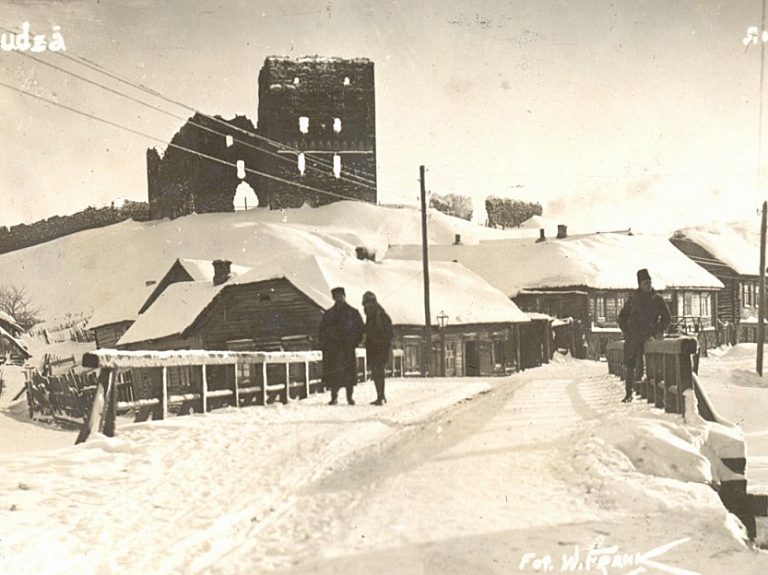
{"x": 587, "y": 278}
{"x": 731, "y": 254}
{"x": 113, "y": 318}
{"x": 279, "y": 306}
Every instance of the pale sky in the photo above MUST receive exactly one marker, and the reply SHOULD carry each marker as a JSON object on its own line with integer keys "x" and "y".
{"x": 638, "y": 114}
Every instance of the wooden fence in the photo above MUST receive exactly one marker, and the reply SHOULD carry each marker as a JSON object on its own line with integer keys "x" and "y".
{"x": 65, "y": 398}
{"x": 252, "y": 377}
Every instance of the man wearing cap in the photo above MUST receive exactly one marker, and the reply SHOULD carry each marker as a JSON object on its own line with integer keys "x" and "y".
{"x": 378, "y": 342}
{"x": 341, "y": 330}
{"x": 645, "y": 315}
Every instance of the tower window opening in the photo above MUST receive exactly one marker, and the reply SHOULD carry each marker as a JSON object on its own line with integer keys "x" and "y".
{"x": 337, "y": 125}
{"x": 303, "y": 124}
{"x": 302, "y": 163}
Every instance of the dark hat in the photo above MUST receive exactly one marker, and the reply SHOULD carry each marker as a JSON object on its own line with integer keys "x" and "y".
{"x": 643, "y": 275}
{"x": 338, "y": 290}
{"x": 369, "y": 296}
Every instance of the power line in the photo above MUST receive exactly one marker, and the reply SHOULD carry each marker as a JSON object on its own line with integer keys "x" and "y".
{"x": 354, "y": 179}
{"x": 194, "y": 152}
{"x": 138, "y": 86}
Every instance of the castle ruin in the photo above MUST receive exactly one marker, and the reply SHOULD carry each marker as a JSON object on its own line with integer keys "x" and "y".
{"x": 315, "y": 143}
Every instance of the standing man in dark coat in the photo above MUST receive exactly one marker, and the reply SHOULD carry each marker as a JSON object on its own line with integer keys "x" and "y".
{"x": 378, "y": 342}
{"x": 645, "y": 315}
{"x": 341, "y": 330}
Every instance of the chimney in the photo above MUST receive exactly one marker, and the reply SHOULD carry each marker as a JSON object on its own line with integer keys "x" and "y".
{"x": 542, "y": 237}
{"x": 562, "y": 231}
{"x": 363, "y": 253}
{"x": 221, "y": 271}
{"x": 457, "y": 240}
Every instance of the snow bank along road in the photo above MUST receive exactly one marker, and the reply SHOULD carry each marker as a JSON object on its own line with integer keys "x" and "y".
{"x": 453, "y": 476}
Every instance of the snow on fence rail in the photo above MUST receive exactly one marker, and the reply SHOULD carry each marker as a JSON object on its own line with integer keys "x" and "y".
{"x": 291, "y": 382}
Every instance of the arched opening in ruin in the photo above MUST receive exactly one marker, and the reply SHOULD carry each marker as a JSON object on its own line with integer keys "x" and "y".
{"x": 245, "y": 197}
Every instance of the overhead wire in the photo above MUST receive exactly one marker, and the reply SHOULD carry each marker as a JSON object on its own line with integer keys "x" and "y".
{"x": 194, "y": 152}
{"x": 138, "y": 86}
{"x": 351, "y": 178}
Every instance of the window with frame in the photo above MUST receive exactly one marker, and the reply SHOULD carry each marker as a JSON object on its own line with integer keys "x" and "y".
{"x": 600, "y": 308}
{"x": 411, "y": 360}
{"x": 749, "y": 294}
{"x": 450, "y": 356}
{"x": 244, "y": 372}
{"x": 696, "y": 304}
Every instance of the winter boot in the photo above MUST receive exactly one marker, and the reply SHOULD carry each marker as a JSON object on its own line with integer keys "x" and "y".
{"x": 629, "y": 395}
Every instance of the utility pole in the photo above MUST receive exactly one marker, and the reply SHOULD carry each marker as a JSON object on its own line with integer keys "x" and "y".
{"x": 427, "y": 359}
{"x": 761, "y": 294}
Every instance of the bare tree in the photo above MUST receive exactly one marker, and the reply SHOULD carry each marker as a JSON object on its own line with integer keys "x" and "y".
{"x": 17, "y": 303}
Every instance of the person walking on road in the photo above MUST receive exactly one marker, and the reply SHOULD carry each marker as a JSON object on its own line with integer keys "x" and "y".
{"x": 378, "y": 342}
{"x": 341, "y": 330}
{"x": 645, "y": 315}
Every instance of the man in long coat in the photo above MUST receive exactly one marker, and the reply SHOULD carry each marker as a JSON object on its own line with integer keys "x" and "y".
{"x": 645, "y": 315}
{"x": 378, "y": 342}
{"x": 341, "y": 330}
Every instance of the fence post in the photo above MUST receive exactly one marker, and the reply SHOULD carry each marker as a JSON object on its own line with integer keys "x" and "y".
{"x": 204, "y": 394}
{"x": 111, "y": 405}
{"x": 164, "y": 394}
{"x": 101, "y": 399}
{"x": 306, "y": 378}
{"x": 264, "y": 378}
{"x": 237, "y": 388}
{"x": 287, "y": 382}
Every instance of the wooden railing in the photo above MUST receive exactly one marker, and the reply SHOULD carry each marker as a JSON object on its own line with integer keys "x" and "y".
{"x": 287, "y": 375}
{"x": 671, "y": 366}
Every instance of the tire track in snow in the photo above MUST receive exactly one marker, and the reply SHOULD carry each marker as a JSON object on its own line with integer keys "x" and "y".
{"x": 512, "y": 434}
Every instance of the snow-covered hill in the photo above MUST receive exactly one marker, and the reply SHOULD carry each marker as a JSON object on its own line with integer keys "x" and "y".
{"x": 86, "y": 271}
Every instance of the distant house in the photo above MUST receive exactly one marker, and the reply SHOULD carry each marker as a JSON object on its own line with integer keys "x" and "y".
{"x": 728, "y": 254}
{"x": 279, "y": 305}
{"x": 587, "y": 278}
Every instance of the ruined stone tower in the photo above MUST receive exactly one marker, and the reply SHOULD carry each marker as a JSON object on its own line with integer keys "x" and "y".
{"x": 315, "y": 143}
{"x": 319, "y": 114}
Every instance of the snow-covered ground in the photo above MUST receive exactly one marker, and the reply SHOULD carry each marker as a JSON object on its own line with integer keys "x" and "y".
{"x": 545, "y": 467}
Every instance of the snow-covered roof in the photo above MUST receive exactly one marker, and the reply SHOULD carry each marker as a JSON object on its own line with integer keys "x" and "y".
{"x": 454, "y": 290}
{"x": 734, "y": 244}
{"x": 459, "y": 293}
{"x": 17, "y": 343}
{"x": 120, "y": 308}
{"x": 10, "y": 321}
{"x": 202, "y": 270}
{"x": 598, "y": 261}
{"x": 126, "y": 306}
{"x": 174, "y": 311}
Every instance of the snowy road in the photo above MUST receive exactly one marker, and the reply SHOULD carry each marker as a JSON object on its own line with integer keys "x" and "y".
{"x": 452, "y": 477}
{"x": 492, "y": 484}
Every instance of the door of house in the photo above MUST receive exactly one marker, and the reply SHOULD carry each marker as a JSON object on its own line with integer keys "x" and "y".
{"x": 485, "y": 355}
{"x": 471, "y": 358}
